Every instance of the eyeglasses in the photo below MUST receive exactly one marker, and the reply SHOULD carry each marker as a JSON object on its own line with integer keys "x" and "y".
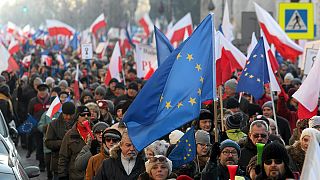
{"x": 85, "y": 114}
{"x": 98, "y": 132}
{"x": 205, "y": 145}
{"x": 226, "y": 153}
{"x": 276, "y": 161}
{"x": 160, "y": 159}
{"x": 112, "y": 139}
{"x": 259, "y": 135}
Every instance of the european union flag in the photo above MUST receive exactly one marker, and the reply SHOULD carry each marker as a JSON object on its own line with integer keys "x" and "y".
{"x": 163, "y": 45}
{"x": 255, "y": 74}
{"x": 74, "y": 43}
{"x": 27, "y": 126}
{"x": 185, "y": 150}
{"x": 172, "y": 96}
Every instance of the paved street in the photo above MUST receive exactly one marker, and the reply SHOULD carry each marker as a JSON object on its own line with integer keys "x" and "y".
{"x": 30, "y": 162}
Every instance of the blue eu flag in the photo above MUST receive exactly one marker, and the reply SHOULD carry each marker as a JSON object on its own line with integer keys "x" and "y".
{"x": 185, "y": 150}
{"x": 172, "y": 96}
{"x": 255, "y": 74}
{"x": 74, "y": 43}
{"x": 27, "y": 126}
{"x": 164, "y": 47}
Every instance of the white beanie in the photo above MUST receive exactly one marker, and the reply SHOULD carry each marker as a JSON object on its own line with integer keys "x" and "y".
{"x": 174, "y": 136}
{"x": 314, "y": 121}
{"x": 289, "y": 76}
{"x": 309, "y": 132}
{"x": 166, "y": 162}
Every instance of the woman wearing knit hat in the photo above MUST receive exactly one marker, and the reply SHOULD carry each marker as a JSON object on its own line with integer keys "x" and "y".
{"x": 298, "y": 150}
{"x": 157, "y": 168}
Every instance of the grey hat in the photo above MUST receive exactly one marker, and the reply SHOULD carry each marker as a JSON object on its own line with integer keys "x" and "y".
{"x": 100, "y": 126}
{"x": 100, "y": 90}
{"x": 202, "y": 137}
{"x": 63, "y": 83}
{"x": 267, "y": 104}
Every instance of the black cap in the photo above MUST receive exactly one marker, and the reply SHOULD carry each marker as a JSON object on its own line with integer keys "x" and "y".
{"x": 68, "y": 108}
{"x": 42, "y": 87}
{"x": 133, "y": 85}
{"x": 113, "y": 80}
{"x": 112, "y": 133}
{"x": 120, "y": 86}
{"x": 83, "y": 109}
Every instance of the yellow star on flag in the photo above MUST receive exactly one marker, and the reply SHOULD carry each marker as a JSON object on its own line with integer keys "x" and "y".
{"x": 251, "y": 76}
{"x": 192, "y": 101}
{"x": 198, "y": 67}
{"x": 179, "y": 56}
{"x": 168, "y": 104}
{"x": 189, "y": 57}
{"x": 199, "y": 91}
{"x": 201, "y": 79}
{"x": 179, "y": 104}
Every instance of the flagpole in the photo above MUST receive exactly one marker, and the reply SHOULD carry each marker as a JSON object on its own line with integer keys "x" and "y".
{"x": 274, "y": 111}
{"x": 221, "y": 108}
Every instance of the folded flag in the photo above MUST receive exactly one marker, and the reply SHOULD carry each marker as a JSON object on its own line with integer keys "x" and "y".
{"x": 27, "y": 126}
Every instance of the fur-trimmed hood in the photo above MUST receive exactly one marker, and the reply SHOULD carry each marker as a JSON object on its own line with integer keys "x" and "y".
{"x": 115, "y": 151}
{"x": 297, "y": 156}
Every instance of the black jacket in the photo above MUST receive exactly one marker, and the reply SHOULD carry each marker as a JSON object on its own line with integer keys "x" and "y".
{"x": 212, "y": 170}
{"x": 112, "y": 169}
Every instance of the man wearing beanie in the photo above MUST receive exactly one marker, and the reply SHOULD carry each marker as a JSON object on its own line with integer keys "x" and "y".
{"x": 55, "y": 133}
{"x": 205, "y": 121}
{"x": 314, "y": 122}
{"x": 282, "y": 123}
{"x": 232, "y": 126}
{"x": 275, "y": 161}
{"x": 228, "y": 153}
{"x": 230, "y": 88}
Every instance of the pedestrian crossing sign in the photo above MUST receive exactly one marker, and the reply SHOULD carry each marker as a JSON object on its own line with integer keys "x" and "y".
{"x": 297, "y": 20}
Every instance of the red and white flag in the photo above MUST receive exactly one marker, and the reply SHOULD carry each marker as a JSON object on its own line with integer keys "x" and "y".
{"x": 76, "y": 85}
{"x": 308, "y": 93}
{"x": 275, "y": 35}
{"x": 13, "y": 46}
{"x": 56, "y": 27}
{"x": 274, "y": 63}
{"x": 45, "y": 59}
{"x": 146, "y": 60}
{"x": 147, "y": 24}
{"x": 4, "y": 58}
{"x": 124, "y": 42}
{"x": 176, "y": 33}
{"x": 226, "y": 26}
{"x": 252, "y": 44}
{"x": 54, "y": 107}
{"x": 26, "y": 61}
{"x": 228, "y": 59}
{"x": 11, "y": 27}
{"x": 98, "y": 24}
{"x": 101, "y": 49}
{"x": 115, "y": 65}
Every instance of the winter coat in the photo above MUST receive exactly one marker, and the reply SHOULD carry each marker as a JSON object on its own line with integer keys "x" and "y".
{"x": 72, "y": 144}
{"x": 53, "y": 140}
{"x": 284, "y": 129}
{"x": 24, "y": 95}
{"x": 6, "y": 108}
{"x": 38, "y": 106}
{"x": 83, "y": 157}
{"x": 212, "y": 168}
{"x": 112, "y": 168}
{"x": 95, "y": 163}
{"x": 283, "y": 110}
{"x": 296, "y": 155}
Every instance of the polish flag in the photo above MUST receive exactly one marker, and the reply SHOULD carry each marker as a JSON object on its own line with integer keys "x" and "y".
{"x": 98, "y": 24}
{"x": 252, "y": 44}
{"x": 46, "y": 59}
{"x": 124, "y": 42}
{"x": 228, "y": 59}
{"x": 11, "y": 27}
{"x": 60, "y": 59}
{"x": 26, "y": 61}
{"x": 76, "y": 85}
{"x": 308, "y": 93}
{"x": 56, "y": 27}
{"x": 115, "y": 65}
{"x": 226, "y": 26}
{"x": 4, "y": 58}
{"x": 147, "y": 24}
{"x": 12, "y": 65}
{"x": 275, "y": 35}
{"x": 176, "y": 33}
{"x": 13, "y": 46}
{"x": 101, "y": 49}
{"x": 186, "y": 35}
{"x": 274, "y": 63}
{"x": 54, "y": 107}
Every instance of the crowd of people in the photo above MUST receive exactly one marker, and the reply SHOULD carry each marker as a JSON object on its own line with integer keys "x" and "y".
{"x": 88, "y": 140}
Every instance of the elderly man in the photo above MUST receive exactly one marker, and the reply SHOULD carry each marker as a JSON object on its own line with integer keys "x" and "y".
{"x": 124, "y": 164}
{"x": 228, "y": 153}
{"x": 275, "y": 161}
{"x": 258, "y": 133}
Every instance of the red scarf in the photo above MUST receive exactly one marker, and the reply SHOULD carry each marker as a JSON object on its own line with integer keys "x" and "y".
{"x": 83, "y": 132}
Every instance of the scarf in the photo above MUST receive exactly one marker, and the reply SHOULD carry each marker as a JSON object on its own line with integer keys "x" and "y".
{"x": 83, "y": 132}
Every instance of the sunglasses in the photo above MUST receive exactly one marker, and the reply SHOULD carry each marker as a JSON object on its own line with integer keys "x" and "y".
{"x": 276, "y": 161}
{"x": 112, "y": 139}
{"x": 98, "y": 132}
{"x": 160, "y": 159}
{"x": 259, "y": 135}
{"x": 85, "y": 114}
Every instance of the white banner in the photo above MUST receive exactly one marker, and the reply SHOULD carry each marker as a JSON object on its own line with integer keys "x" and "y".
{"x": 146, "y": 59}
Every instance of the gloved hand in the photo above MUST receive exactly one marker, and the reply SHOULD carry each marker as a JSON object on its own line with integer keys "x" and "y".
{"x": 94, "y": 147}
{"x": 215, "y": 151}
